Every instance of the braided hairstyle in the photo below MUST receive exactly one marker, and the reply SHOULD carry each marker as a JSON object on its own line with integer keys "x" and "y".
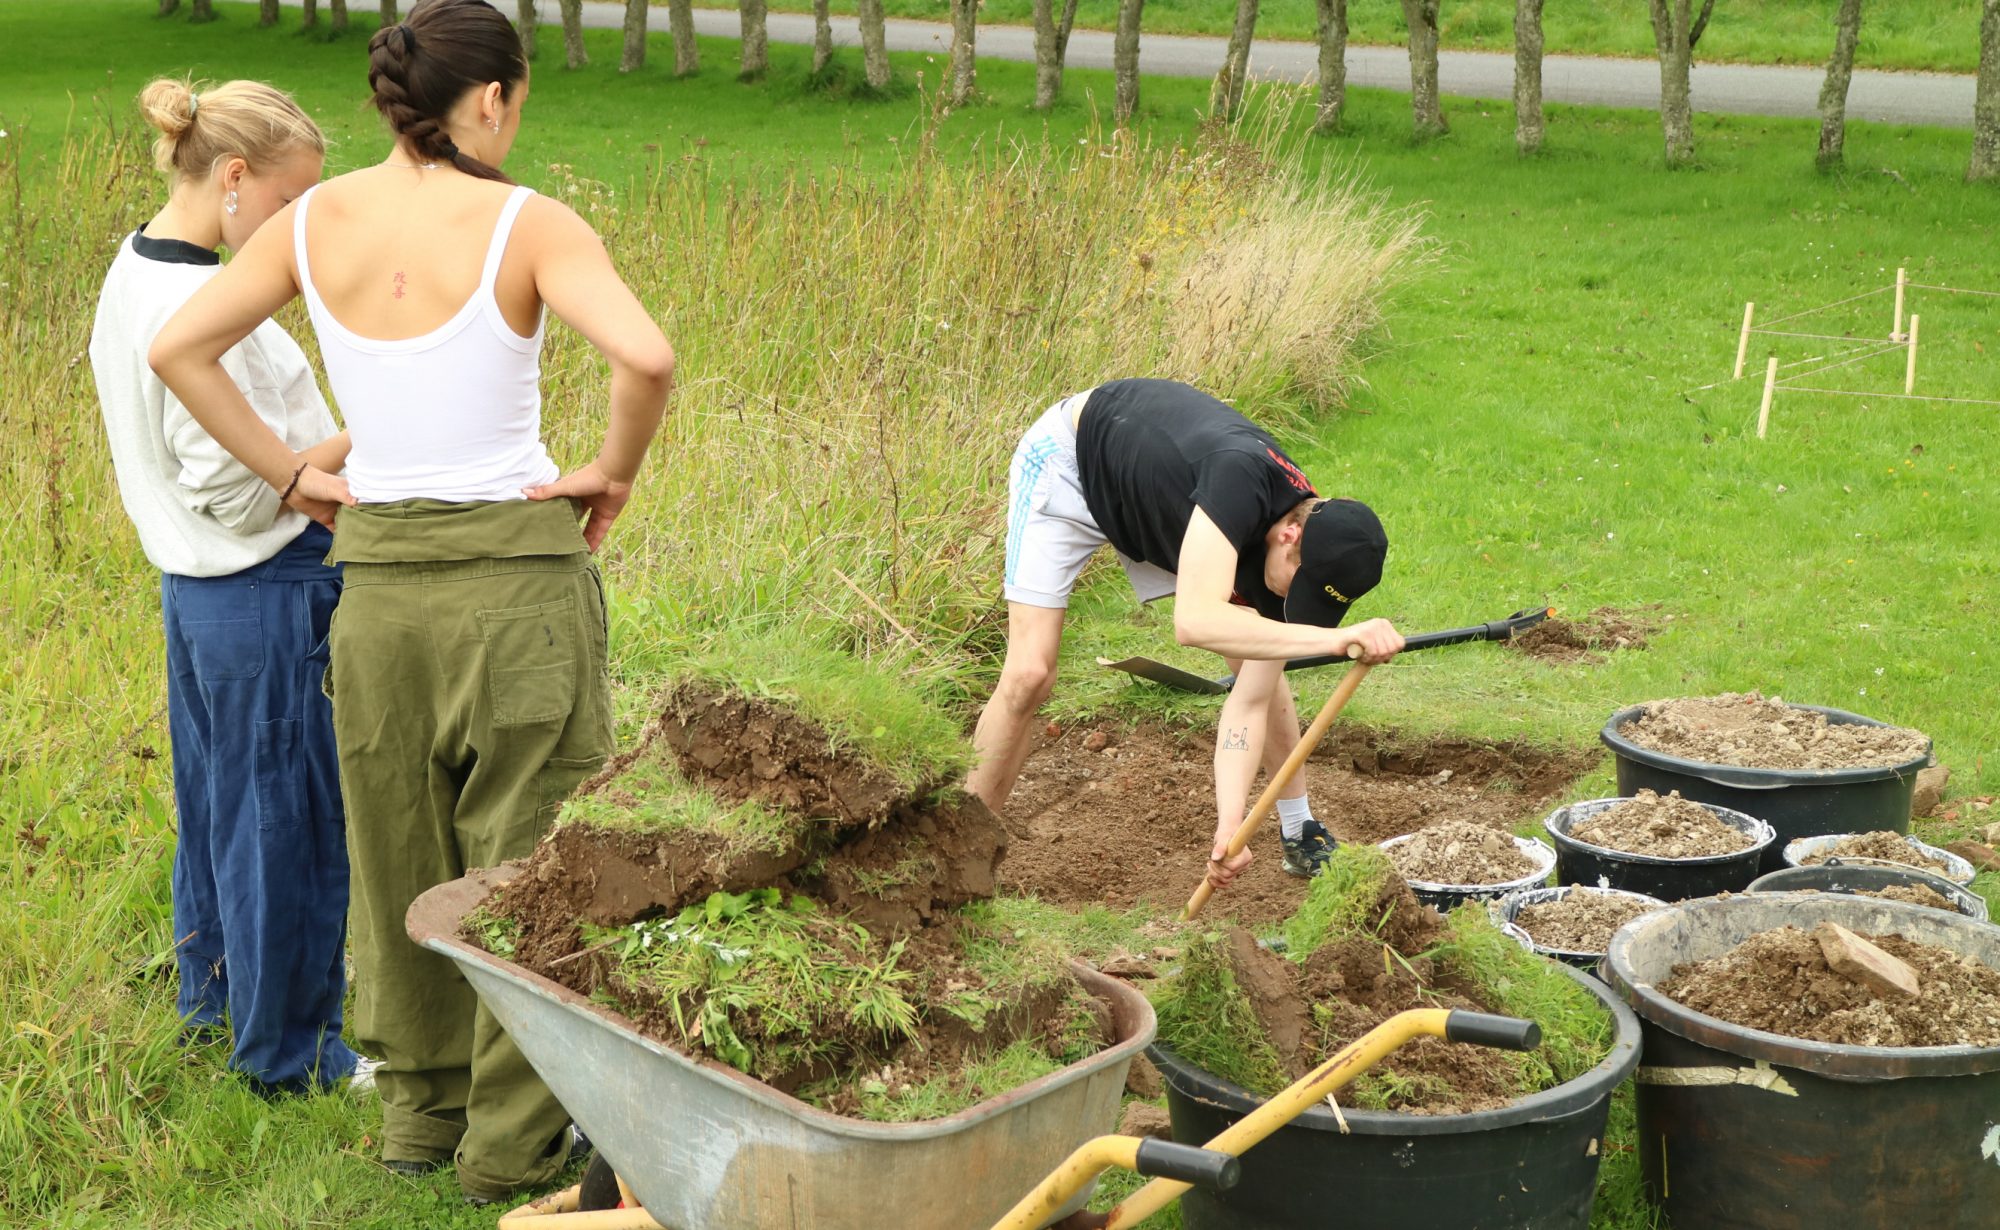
{"x": 419, "y": 70}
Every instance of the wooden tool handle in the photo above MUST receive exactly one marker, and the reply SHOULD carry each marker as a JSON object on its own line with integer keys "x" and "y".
{"x": 1268, "y": 800}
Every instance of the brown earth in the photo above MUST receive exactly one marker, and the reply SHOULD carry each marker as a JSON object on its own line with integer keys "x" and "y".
{"x": 1915, "y": 894}
{"x": 1887, "y": 846}
{"x": 1581, "y": 921}
{"x": 1779, "y": 982}
{"x": 1586, "y": 639}
{"x": 1461, "y": 852}
{"x": 1134, "y": 821}
{"x": 1670, "y": 827}
{"x": 1746, "y": 729}
{"x": 741, "y": 748}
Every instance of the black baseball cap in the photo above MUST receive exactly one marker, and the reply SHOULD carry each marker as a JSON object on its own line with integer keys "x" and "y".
{"x": 1340, "y": 558}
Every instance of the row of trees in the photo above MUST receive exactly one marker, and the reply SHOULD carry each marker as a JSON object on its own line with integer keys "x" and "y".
{"x": 1677, "y": 29}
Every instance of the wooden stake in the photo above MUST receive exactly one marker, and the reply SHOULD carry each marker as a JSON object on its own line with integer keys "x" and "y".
{"x": 1770, "y": 390}
{"x": 1910, "y": 372}
{"x": 1902, "y": 280}
{"x": 1743, "y": 341}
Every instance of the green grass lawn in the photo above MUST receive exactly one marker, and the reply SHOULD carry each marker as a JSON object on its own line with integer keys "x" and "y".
{"x": 1927, "y": 34}
{"x": 1521, "y": 428}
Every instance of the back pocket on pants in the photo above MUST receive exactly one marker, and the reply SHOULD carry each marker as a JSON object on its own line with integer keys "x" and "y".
{"x": 530, "y": 661}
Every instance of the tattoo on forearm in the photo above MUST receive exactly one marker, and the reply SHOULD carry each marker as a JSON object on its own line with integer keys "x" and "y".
{"x": 1236, "y": 739}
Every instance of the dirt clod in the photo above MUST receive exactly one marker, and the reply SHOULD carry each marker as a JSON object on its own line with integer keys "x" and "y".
{"x": 1930, "y": 790}
{"x": 1143, "y": 1079}
{"x": 1461, "y": 852}
{"x": 1862, "y": 963}
{"x": 1583, "y": 920}
{"x": 1587, "y": 638}
{"x": 1886, "y": 846}
{"x": 1982, "y": 856}
{"x": 1143, "y": 1119}
{"x": 1670, "y": 827}
{"x": 1779, "y": 981}
{"x": 1748, "y": 730}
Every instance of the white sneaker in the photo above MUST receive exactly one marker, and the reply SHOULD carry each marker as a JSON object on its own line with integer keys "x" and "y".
{"x": 363, "y": 1080}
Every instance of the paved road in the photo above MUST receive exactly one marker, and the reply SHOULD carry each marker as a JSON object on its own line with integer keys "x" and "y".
{"x": 1899, "y": 98}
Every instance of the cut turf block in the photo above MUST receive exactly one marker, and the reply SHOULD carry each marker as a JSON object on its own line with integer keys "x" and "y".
{"x": 1859, "y": 961}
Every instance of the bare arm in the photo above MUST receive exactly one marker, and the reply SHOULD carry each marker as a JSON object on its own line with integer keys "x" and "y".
{"x": 575, "y": 277}
{"x": 1205, "y": 618}
{"x": 187, "y": 356}
{"x": 1239, "y": 749}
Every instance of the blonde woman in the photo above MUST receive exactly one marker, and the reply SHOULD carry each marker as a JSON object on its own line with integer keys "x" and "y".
{"x": 260, "y": 867}
{"x": 470, "y": 683}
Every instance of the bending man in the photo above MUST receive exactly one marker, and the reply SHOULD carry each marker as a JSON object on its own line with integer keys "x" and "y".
{"x": 1200, "y": 503}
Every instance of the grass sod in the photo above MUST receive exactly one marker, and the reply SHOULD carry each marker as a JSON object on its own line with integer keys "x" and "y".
{"x": 1920, "y": 34}
{"x": 1582, "y": 289}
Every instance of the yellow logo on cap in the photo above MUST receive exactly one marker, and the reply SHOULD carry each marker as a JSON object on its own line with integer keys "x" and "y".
{"x": 1338, "y": 596}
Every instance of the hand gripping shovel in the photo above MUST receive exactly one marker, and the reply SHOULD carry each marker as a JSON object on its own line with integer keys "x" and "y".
{"x": 1499, "y": 630}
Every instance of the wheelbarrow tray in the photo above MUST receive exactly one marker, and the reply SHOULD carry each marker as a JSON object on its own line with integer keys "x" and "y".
{"x": 705, "y": 1147}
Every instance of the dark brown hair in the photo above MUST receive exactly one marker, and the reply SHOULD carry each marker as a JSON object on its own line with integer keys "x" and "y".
{"x": 420, "y": 68}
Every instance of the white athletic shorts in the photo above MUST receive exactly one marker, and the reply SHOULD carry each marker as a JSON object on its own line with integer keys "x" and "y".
{"x": 1050, "y": 532}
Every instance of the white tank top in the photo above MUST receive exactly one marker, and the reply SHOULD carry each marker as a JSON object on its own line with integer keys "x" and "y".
{"x": 453, "y": 415}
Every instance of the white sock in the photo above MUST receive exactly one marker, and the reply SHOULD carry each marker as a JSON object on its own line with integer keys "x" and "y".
{"x": 1292, "y": 817}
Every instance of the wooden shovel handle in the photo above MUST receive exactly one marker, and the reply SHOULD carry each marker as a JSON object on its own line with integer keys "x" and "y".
{"x": 1267, "y": 800}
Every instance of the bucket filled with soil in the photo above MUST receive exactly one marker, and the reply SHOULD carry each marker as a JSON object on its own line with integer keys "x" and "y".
{"x": 1880, "y": 847}
{"x": 1662, "y": 846}
{"x": 1437, "y": 1134}
{"x": 1892, "y": 883}
{"x": 1815, "y": 1060}
{"x": 1456, "y": 861}
{"x": 1572, "y": 923}
{"x": 1803, "y": 769}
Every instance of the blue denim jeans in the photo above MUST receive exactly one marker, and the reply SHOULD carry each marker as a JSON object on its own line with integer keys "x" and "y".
{"x": 260, "y": 872}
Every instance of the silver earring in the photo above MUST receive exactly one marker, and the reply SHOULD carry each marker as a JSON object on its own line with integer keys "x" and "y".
{"x": 229, "y": 203}
{"x": 494, "y": 125}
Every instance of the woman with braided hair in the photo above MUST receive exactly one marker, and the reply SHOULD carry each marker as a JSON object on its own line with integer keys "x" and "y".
{"x": 471, "y": 692}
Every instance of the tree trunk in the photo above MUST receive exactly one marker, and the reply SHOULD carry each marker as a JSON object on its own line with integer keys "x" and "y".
{"x": 308, "y": 14}
{"x": 574, "y": 55}
{"x": 680, "y": 24}
{"x": 268, "y": 12}
{"x": 336, "y": 16}
{"x": 202, "y": 10}
{"x": 822, "y": 37}
{"x": 1986, "y": 103}
{"x": 1332, "y": 65}
{"x": 874, "y": 44}
{"x": 1125, "y": 61}
{"x": 1527, "y": 76}
{"x": 756, "y": 40}
{"x": 1225, "y": 96}
{"x": 169, "y": 7}
{"x": 1672, "y": 28}
{"x": 1421, "y": 16}
{"x": 633, "y": 57}
{"x": 1051, "y": 49}
{"x": 388, "y": 13}
{"x": 525, "y": 27}
{"x": 1833, "y": 93}
{"x": 962, "y": 70}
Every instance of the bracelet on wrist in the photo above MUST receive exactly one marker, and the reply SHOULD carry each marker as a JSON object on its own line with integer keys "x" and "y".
{"x": 292, "y": 486}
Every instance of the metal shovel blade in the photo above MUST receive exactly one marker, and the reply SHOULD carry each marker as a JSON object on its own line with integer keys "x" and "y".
{"x": 1172, "y": 676}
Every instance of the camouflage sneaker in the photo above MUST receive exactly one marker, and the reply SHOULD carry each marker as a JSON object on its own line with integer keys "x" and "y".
{"x": 1305, "y": 856}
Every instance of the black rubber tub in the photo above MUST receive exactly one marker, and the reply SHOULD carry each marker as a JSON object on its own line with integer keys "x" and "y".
{"x": 1444, "y": 898}
{"x": 1508, "y": 909}
{"x": 1841, "y": 876}
{"x": 1529, "y": 1166}
{"x": 1745, "y": 1130}
{"x": 1668, "y": 879}
{"x": 1795, "y": 802}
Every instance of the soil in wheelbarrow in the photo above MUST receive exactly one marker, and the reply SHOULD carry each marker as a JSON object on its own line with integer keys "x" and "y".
{"x": 1779, "y": 981}
{"x": 1361, "y": 949}
{"x": 1670, "y": 827}
{"x": 1108, "y": 815}
{"x": 1750, "y": 730}
{"x": 1582, "y": 920}
{"x": 1461, "y": 852}
{"x": 1585, "y": 640}
{"x": 1886, "y": 846}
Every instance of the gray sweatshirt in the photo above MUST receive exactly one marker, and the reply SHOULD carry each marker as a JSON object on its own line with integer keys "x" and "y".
{"x": 199, "y": 511}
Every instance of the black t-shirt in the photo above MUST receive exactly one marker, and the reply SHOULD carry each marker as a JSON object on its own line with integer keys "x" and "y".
{"x": 1151, "y": 451}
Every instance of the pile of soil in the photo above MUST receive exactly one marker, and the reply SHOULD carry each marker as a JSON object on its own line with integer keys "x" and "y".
{"x": 1461, "y": 852}
{"x": 1915, "y": 894}
{"x": 1887, "y": 846}
{"x": 1586, "y": 639}
{"x": 1748, "y": 730}
{"x": 1581, "y": 921}
{"x": 896, "y": 860}
{"x": 1670, "y": 827}
{"x": 1356, "y": 985}
{"x": 1779, "y": 982}
{"x": 1118, "y": 817}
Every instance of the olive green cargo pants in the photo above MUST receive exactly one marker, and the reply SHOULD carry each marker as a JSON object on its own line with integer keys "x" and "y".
{"x": 471, "y": 695}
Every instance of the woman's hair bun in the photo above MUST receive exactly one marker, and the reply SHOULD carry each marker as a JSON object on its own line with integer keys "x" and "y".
{"x": 169, "y": 105}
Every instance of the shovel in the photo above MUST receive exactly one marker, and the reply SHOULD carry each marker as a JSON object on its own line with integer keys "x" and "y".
{"x": 1188, "y": 681}
{"x": 1499, "y": 630}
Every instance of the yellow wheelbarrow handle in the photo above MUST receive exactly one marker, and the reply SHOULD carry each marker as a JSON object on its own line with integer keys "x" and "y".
{"x": 1357, "y": 1057}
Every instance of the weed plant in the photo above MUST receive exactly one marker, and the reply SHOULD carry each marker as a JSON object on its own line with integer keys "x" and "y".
{"x": 649, "y": 795}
